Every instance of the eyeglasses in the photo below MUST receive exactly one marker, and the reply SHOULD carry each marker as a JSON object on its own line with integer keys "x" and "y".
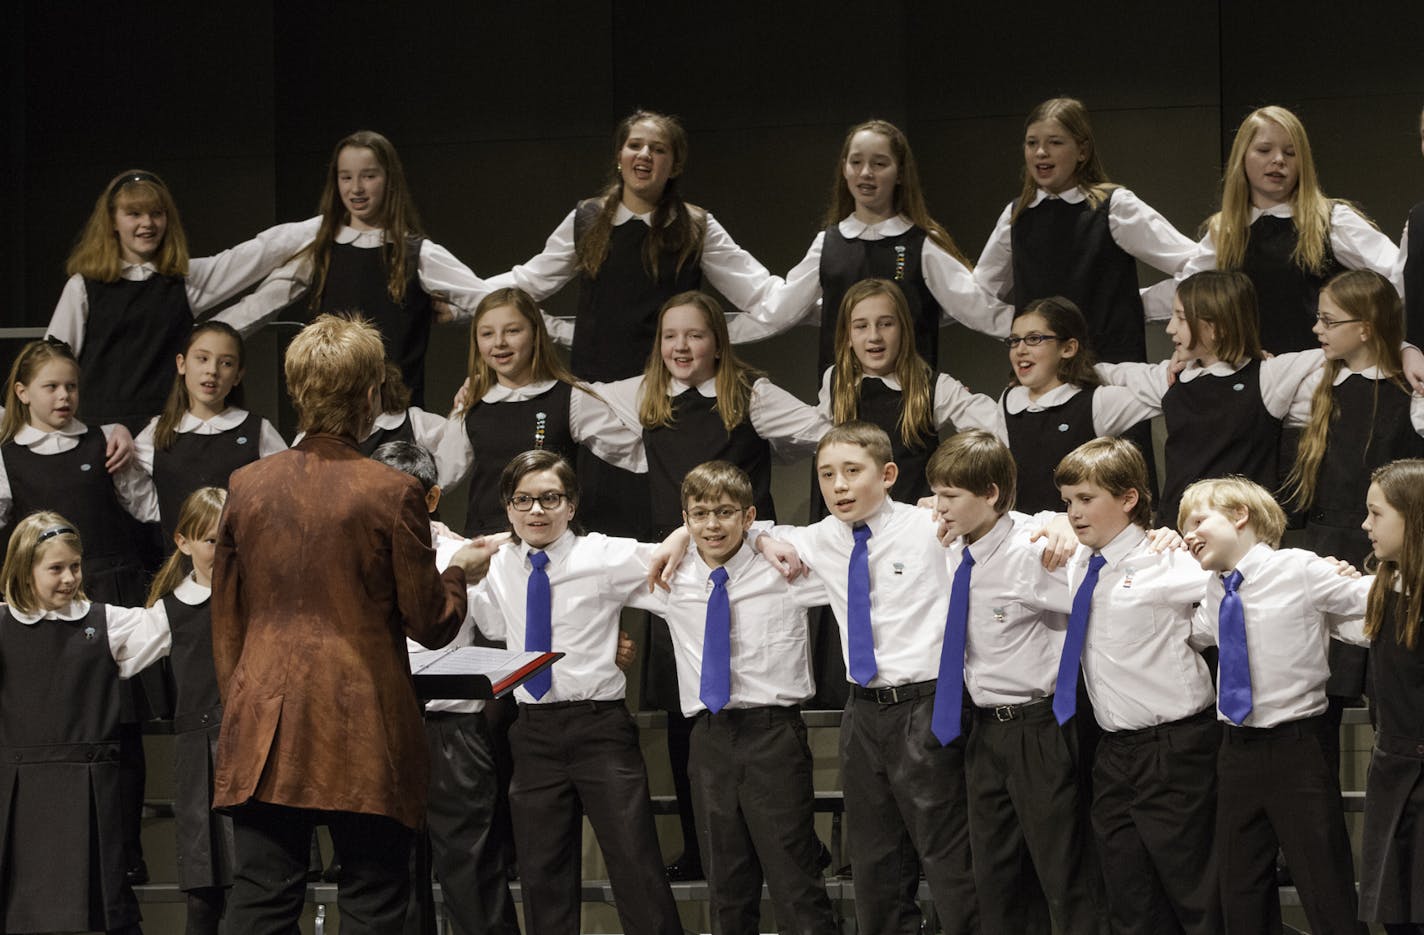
{"x": 1033, "y": 339}
{"x": 548, "y": 500}
{"x": 723, "y": 513}
{"x": 1328, "y": 323}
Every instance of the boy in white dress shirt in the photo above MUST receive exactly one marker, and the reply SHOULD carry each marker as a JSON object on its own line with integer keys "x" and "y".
{"x": 885, "y": 575}
{"x": 1004, "y": 637}
{"x": 739, "y": 637}
{"x": 575, "y": 746}
{"x": 1154, "y": 773}
{"x": 1271, "y": 614}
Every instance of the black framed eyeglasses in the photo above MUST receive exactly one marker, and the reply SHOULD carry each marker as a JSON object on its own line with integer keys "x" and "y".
{"x": 1033, "y": 339}
{"x": 548, "y": 500}
{"x": 1328, "y": 323}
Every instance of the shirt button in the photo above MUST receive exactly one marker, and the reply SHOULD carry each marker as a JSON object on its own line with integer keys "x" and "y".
{"x": 89, "y": 755}
{"x": 1419, "y": 749}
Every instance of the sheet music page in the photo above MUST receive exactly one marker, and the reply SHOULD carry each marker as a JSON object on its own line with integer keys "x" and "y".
{"x": 496, "y": 664}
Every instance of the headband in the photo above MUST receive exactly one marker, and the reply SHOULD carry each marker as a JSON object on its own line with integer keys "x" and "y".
{"x": 131, "y": 178}
{"x": 53, "y": 531}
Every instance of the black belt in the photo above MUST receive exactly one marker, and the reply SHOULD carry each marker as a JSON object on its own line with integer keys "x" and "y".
{"x": 566, "y": 706}
{"x": 1304, "y": 727}
{"x": 893, "y": 694}
{"x": 1013, "y": 712}
{"x": 1144, "y": 734}
{"x": 197, "y": 720}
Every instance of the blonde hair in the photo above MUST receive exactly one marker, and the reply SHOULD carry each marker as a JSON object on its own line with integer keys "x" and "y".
{"x": 165, "y": 432}
{"x": 1226, "y": 300}
{"x": 1402, "y": 483}
{"x": 31, "y": 358}
{"x": 96, "y": 253}
{"x": 200, "y": 513}
{"x": 31, "y": 537}
{"x": 974, "y": 460}
{"x": 675, "y": 224}
{"x": 915, "y": 376}
{"x": 1229, "y": 494}
{"x": 712, "y": 480}
{"x": 734, "y": 378}
{"x": 1230, "y": 227}
{"x": 545, "y": 363}
{"x": 1070, "y": 114}
{"x": 909, "y": 193}
{"x": 1365, "y": 295}
{"x": 1114, "y": 464}
{"x": 331, "y": 367}
{"x": 866, "y": 435}
{"x": 399, "y": 219}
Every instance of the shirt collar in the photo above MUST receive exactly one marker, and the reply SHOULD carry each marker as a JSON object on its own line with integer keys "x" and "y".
{"x": 989, "y": 543}
{"x": 852, "y": 228}
{"x": 29, "y": 436}
{"x": 1275, "y": 211}
{"x": 624, "y": 214}
{"x": 499, "y": 393}
{"x": 557, "y": 550}
{"x": 1123, "y": 545}
{"x": 137, "y": 272}
{"x": 388, "y": 420}
{"x": 888, "y": 379}
{"x": 229, "y": 418}
{"x": 736, "y": 565}
{"x": 876, "y": 521}
{"x": 1017, "y": 400}
{"x": 1254, "y": 561}
{"x": 1218, "y": 368}
{"x": 1072, "y": 196}
{"x": 74, "y": 611}
{"x": 707, "y": 388}
{"x": 190, "y": 592}
{"x": 359, "y": 238}
{"x": 1345, "y": 373}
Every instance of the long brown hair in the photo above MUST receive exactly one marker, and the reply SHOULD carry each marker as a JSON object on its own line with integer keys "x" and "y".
{"x": 546, "y": 363}
{"x": 1402, "y": 483}
{"x": 1365, "y": 295}
{"x": 166, "y": 431}
{"x": 915, "y": 376}
{"x": 199, "y": 515}
{"x": 734, "y": 378}
{"x": 675, "y": 224}
{"x": 399, "y": 219}
{"x": 1066, "y": 320}
{"x": 31, "y": 358}
{"x": 909, "y": 193}
{"x": 1226, "y": 300}
{"x": 96, "y": 253}
{"x": 1070, "y": 114}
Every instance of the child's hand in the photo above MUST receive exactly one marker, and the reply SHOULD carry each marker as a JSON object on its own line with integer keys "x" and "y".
{"x": 474, "y": 556}
{"x": 444, "y": 313}
{"x": 462, "y": 395}
{"x": 1165, "y": 539}
{"x": 926, "y": 503}
{"x": 120, "y": 450}
{"x": 783, "y": 556}
{"x": 1061, "y": 542}
{"x": 1414, "y": 368}
{"x": 627, "y": 652}
{"x": 1178, "y": 364}
{"x": 666, "y": 558}
{"x": 1343, "y": 568}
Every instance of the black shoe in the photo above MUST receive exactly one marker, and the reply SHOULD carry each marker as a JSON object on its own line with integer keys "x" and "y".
{"x": 137, "y": 875}
{"x": 684, "y": 870}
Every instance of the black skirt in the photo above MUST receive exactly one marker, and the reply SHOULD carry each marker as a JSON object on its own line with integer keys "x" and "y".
{"x": 1392, "y": 857}
{"x": 205, "y": 849}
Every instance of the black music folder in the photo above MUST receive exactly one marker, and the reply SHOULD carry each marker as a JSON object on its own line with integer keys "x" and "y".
{"x": 474, "y": 671}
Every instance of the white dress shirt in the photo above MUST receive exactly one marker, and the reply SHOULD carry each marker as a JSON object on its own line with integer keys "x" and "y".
{"x": 446, "y": 545}
{"x": 771, "y": 654}
{"x": 1284, "y": 381}
{"x": 1138, "y": 661}
{"x": 591, "y": 578}
{"x": 792, "y": 427}
{"x": 799, "y": 301}
{"x": 1138, "y": 228}
{"x": 138, "y": 636}
{"x": 1017, "y": 615}
{"x": 190, "y": 592}
{"x": 441, "y": 276}
{"x": 269, "y": 441}
{"x": 909, "y": 586}
{"x": 728, "y": 268}
{"x": 132, "y": 484}
{"x": 592, "y": 422}
{"x": 1294, "y": 602}
{"x": 211, "y": 280}
{"x": 954, "y": 403}
{"x": 1356, "y": 243}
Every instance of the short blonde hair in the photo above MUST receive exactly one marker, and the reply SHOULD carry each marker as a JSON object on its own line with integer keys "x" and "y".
{"x": 331, "y": 366}
{"x": 1229, "y": 494}
{"x": 31, "y": 537}
{"x": 975, "y": 460}
{"x": 865, "y": 435}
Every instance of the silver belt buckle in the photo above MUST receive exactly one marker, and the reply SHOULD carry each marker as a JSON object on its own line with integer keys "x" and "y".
{"x": 1005, "y": 712}
{"x": 889, "y": 695}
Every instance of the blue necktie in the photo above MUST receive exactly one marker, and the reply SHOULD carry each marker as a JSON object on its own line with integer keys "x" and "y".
{"x": 1235, "y": 665}
{"x": 861, "y": 637}
{"x": 1065, "y": 691}
{"x": 538, "y": 635}
{"x": 949, "y": 688}
{"x": 716, "y": 689}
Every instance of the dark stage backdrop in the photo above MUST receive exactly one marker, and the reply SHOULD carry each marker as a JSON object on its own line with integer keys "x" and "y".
{"x": 502, "y": 114}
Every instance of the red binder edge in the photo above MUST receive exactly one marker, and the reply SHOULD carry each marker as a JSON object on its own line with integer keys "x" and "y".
{"x": 523, "y": 673}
